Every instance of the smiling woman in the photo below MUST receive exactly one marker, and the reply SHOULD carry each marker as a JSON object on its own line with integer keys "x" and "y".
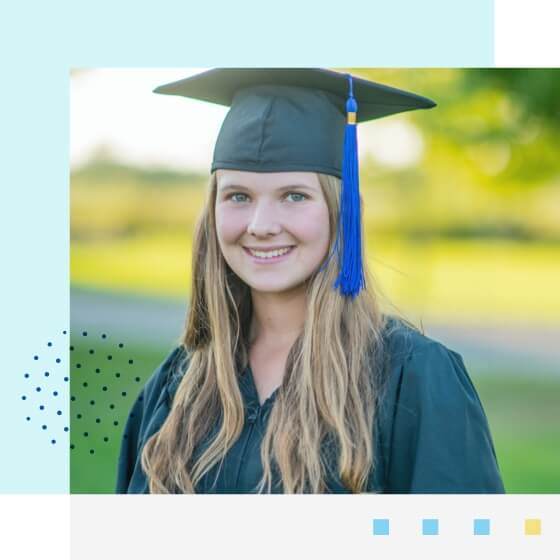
{"x": 289, "y": 378}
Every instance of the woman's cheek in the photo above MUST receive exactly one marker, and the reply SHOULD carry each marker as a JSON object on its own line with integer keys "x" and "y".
{"x": 230, "y": 225}
{"x": 313, "y": 225}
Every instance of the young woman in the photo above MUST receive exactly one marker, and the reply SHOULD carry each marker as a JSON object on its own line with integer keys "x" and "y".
{"x": 289, "y": 378}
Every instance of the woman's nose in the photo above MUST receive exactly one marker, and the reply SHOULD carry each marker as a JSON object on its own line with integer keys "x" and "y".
{"x": 264, "y": 221}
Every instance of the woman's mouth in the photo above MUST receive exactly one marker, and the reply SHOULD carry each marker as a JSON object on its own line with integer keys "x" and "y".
{"x": 269, "y": 257}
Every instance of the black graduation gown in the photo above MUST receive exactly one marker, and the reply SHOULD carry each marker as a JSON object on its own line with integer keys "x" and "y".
{"x": 432, "y": 434}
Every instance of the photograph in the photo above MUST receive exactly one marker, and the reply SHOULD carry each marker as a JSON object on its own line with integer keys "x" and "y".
{"x": 314, "y": 280}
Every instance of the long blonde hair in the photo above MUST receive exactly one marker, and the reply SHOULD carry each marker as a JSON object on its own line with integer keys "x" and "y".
{"x": 323, "y": 416}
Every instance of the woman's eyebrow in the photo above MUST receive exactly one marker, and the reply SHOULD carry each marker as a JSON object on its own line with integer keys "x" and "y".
{"x": 230, "y": 187}
{"x": 299, "y": 186}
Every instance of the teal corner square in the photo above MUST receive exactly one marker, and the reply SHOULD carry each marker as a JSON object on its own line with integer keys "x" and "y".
{"x": 380, "y": 526}
{"x": 481, "y": 527}
{"x": 430, "y": 526}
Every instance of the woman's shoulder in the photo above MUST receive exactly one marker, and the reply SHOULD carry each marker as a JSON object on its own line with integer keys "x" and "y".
{"x": 146, "y": 416}
{"x": 415, "y": 360}
{"x": 166, "y": 377}
{"x": 403, "y": 342}
{"x": 433, "y": 430}
{"x": 423, "y": 378}
{"x": 401, "y": 339}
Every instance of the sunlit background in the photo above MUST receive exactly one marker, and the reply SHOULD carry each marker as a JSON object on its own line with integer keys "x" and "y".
{"x": 462, "y": 219}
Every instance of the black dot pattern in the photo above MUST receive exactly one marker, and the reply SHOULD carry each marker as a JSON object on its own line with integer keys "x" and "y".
{"x": 42, "y": 383}
{"x": 101, "y": 371}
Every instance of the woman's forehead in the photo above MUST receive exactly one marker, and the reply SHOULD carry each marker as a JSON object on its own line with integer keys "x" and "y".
{"x": 227, "y": 178}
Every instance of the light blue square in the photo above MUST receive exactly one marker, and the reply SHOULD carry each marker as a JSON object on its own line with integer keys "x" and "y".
{"x": 430, "y": 526}
{"x": 380, "y": 526}
{"x": 481, "y": 527}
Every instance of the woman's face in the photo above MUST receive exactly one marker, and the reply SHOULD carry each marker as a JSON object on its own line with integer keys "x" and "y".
{"x": 273, "y": 228}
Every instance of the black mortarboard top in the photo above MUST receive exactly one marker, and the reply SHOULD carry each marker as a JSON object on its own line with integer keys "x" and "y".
{"x": 299, "y": 119}
{"x": 288, "y": 119}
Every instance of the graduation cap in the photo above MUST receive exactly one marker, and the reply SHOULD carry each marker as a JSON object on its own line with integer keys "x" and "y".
{"x": 300, "y": 119}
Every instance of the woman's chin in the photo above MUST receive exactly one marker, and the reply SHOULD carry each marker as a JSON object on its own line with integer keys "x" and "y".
{"x": 274, "y": 288}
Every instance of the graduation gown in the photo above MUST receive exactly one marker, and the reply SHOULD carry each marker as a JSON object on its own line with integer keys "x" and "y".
{"x": 431, "y": 433}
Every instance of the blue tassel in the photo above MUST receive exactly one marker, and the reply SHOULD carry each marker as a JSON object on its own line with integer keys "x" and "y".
{"x": 350, "y": 280}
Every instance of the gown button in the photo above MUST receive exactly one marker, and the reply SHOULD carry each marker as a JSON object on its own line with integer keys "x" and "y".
{"x": 252, "y": 414}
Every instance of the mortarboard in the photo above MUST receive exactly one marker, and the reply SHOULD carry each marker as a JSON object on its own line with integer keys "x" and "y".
{"x": 300, "y": 119}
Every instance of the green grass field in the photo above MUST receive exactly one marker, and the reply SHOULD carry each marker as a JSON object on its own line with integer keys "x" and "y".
{"x": 524, "y": 415}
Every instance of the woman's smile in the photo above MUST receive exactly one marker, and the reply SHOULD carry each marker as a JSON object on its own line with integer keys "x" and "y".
{"x": 269, "y": 256}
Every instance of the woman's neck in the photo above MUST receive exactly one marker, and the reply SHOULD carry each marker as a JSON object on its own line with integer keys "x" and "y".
{"x": 277, "y": 317}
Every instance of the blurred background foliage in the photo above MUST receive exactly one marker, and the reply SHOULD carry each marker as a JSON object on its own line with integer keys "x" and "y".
{"x": 480, "y": 207}
{"x": 462, "y": 227}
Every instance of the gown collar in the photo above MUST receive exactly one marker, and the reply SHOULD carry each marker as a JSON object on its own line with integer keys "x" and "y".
{"x": 249, "y": 391}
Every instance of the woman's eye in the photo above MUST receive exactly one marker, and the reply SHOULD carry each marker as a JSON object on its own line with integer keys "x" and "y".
{"x": 298, "y": 196}
{"x": 238, "y": 197}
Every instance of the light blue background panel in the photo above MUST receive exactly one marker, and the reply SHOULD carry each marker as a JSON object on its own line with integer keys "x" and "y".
{"x": 40, "y": 43}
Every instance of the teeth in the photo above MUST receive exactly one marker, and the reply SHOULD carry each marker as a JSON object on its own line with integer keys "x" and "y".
{"x": 269, "y": 254}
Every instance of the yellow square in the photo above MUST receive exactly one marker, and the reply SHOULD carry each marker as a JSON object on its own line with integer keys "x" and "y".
{"x": 532, "y": 526}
